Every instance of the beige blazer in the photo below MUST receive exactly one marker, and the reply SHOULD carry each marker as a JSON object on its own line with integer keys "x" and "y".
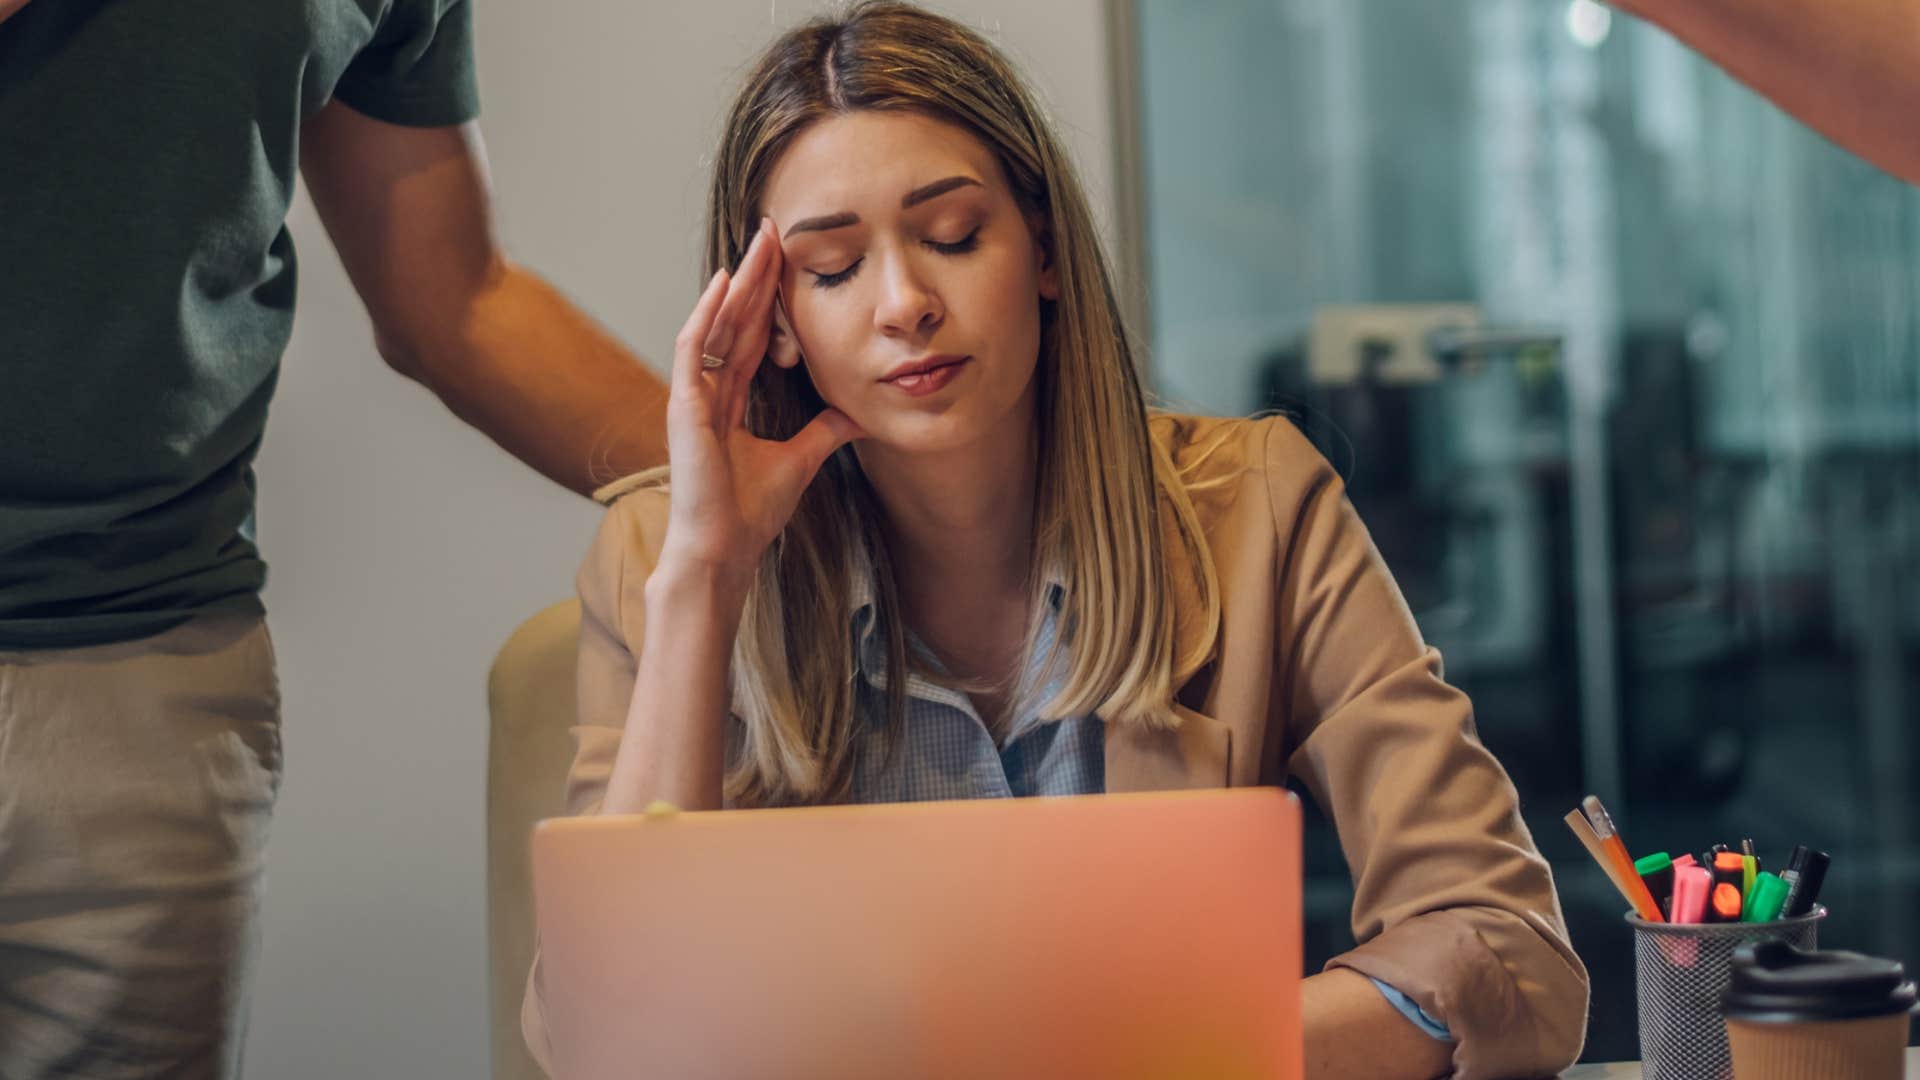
{"x": 1318, "y": 673}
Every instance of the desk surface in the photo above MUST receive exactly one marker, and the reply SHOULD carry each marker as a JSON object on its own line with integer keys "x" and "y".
{"x": 1631, "y": 1071}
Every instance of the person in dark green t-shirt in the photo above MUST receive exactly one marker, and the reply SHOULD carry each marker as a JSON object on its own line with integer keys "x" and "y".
{"x": 148, "y": 156}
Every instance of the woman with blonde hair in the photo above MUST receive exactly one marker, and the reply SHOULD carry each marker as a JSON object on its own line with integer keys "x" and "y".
{"x": 924, "y": 540}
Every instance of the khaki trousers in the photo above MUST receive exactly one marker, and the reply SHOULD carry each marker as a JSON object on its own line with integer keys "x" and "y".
{"x": 137, "y": 784}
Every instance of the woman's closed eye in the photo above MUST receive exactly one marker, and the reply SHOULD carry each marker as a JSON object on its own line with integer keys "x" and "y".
{"x": 830, "y": 279}
{"x": 958, "y": 247}
{"x": 825, "y": 280}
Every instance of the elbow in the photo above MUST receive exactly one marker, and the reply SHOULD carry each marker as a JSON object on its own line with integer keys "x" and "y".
{"x": 1503, "y": 979}
{"x": 1560, "y": 1012}
{"x": 401, "y": 352}
{"x": 1552, "y": 989}
{"x": 430, "y": 338}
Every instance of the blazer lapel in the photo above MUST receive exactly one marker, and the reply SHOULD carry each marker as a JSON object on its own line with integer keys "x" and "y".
{"x": 1196, "y": 750}
{"x": 1197, "y": 753}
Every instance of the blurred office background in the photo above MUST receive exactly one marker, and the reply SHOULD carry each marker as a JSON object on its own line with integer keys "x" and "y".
{"x": 1653, "y": 487}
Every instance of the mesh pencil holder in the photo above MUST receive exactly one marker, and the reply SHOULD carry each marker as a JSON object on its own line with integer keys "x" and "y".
{"x": 1683, "y": 971}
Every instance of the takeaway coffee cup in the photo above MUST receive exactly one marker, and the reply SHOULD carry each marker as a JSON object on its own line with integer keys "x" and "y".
{"x": 1795, "y": 1014}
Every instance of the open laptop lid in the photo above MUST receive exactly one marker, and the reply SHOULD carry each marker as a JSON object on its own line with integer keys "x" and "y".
{"x": 1151, "y": 935}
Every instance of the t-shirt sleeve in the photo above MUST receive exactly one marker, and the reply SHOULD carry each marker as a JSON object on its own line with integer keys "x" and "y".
{"x": 418, "y": 70}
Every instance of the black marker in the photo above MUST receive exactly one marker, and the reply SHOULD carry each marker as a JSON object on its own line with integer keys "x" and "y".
{"x": 1657, "y": 871}
{"x": 1805, "y": 872}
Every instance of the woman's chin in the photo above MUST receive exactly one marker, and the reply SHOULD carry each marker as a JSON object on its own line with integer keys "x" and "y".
{"x": 921, "y": 433}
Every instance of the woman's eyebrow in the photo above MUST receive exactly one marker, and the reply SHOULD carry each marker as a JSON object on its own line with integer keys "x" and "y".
{"x": 912, "y": 199}
{"x": 823, "y": 223}
{"x": 935, "y": 190}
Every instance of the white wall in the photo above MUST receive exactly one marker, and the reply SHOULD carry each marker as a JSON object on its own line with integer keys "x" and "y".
{"x": 405, "y": 547}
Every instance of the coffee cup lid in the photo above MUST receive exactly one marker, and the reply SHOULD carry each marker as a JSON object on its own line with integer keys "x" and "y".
{"x": 1774, "y": 982}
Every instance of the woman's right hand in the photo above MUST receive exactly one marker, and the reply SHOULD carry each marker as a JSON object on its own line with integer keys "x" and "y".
{"x": 731, "y": 492}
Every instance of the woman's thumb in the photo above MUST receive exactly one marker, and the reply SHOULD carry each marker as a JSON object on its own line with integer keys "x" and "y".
{"x": 824, "y": 434}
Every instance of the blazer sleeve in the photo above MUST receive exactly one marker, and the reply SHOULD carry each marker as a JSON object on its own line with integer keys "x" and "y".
{"x": 611, "y": 584}
{"x": 1453, "y": 905}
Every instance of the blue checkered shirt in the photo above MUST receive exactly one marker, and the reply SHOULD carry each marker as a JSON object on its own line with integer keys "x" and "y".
{"x": 945, "y": 750}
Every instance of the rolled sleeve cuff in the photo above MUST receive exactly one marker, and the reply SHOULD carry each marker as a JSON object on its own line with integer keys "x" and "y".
{"x": 1411, "y": 1009}
{"x": 1512, "y": 1000}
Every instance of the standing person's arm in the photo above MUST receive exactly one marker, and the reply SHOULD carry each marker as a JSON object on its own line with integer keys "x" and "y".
{"x": 407, "y": 208}
{"x": 1850, "y": 69}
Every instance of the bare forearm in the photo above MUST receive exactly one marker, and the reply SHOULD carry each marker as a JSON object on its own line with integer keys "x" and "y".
{"x": 674, "y": 748}
{"x": 1351, "y": 1030}
{"x": 1850, "y": 69}
{"x": 552, "y": 387}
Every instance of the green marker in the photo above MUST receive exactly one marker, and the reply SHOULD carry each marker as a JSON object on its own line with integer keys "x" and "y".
{"x": 1769, "y": 893}
{"x": 1657, "y": 871}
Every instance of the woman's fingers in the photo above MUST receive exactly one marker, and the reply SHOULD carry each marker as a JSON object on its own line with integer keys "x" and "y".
{"x": 693, "y": 334}
{"x": 728, "y": 326}
{"x": 732, "y": 324}
{"x": 750, "y": 347}
{"x": 750, "y": 340}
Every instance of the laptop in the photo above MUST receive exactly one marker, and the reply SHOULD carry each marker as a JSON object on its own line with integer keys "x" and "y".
{"x": 1114, "y": 936}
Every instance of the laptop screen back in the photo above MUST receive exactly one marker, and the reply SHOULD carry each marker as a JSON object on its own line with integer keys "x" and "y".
{"x": 1153, "y": 935}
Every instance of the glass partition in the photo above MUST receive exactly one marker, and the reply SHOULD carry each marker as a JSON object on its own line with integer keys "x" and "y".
{"x": 1623, "y": 369}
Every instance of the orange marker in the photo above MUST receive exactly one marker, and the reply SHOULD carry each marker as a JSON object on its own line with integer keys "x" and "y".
{"x": 1728, "y": 868}
{"x": 1726, "y": 903}
{"x": 1583, "y": 830}
{"x": 1616, "y": 850}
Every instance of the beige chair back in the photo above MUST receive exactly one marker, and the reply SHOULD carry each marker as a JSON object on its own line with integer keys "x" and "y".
{"x": 530, "y": 695}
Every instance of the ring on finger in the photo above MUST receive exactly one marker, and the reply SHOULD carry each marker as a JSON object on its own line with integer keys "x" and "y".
{"x": 709, "y": 362}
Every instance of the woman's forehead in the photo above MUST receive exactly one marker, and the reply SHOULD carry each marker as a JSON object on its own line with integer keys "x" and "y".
{"x": 872, "y": 158}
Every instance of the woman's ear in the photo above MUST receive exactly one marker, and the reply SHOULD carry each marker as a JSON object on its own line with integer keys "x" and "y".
{"x": 1043, "y": 249}
{"x": 783, "y": 348}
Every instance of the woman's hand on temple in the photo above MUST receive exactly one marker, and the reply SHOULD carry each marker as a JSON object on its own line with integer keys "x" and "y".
{"x": 731, "y": 491}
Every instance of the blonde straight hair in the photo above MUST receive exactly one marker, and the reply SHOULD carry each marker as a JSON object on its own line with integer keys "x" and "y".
{"x": 1107, "y": 497}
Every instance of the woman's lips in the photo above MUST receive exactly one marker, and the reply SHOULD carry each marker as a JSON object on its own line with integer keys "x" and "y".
{"x": 928, "y": 380}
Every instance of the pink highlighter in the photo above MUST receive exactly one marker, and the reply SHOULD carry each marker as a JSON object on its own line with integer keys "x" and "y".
{"x": 1691, "y": 884}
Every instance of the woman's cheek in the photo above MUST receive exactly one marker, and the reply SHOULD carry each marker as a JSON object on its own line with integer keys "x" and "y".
{"x": 825, "y": 345}
{"x": 830, "y": 375}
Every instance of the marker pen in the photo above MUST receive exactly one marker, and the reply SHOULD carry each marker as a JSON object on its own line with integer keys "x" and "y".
{"x": 1769, "y": 892}
{"x": 1616, "y": 849}
{"x": 1656, "y": 871}
{"x": 1690, "y": 887}
{"x": 1805, "y": 872}
{"x": 1712, "y": 853}
{"x": 1728, "y": 869}
{"x": 1726, "y": 903}
{"x": 1685, "y": 860}
{"x": 1583, "y": 830}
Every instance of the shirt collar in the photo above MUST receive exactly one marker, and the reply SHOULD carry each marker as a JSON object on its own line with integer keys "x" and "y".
{"x": 1189, "y": 622}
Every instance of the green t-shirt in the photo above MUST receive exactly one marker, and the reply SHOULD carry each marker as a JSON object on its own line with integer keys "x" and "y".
{"x": 148, "y": 150}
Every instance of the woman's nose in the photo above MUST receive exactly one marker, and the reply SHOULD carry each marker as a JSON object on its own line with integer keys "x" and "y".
{"x": 908, "y": 305}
